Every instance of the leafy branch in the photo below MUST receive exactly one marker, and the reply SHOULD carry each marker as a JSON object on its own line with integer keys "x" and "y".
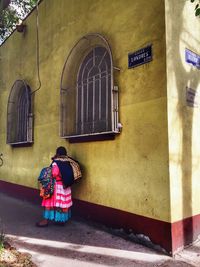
{"x": 12, "y": 15}
{"x": 2, "y": 239}
{"x": 197, "y": 7}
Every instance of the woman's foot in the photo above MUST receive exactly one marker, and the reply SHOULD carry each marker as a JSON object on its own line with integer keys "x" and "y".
{"x": 43, "y": 223}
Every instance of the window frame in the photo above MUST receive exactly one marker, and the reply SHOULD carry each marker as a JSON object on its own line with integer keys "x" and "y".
{"x": 97, "y": 92}
{"x": 113, "y": 90}
{"x": 21, "y": 123}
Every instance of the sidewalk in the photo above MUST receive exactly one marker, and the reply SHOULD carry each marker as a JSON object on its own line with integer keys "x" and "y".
{"x": 79, "y": 244}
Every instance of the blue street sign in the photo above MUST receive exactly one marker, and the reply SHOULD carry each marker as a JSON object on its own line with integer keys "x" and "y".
{"x": 140, "y": 57}
{"x": 192, "y": 58}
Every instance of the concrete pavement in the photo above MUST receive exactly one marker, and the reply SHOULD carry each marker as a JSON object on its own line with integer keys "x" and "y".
{"x": 80, "y": 244}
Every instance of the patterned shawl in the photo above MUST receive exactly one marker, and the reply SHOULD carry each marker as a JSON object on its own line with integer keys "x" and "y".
{"x": 69, "y": 169}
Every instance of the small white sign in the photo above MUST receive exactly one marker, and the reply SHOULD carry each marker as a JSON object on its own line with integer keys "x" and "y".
{"x": 192, "y": 97}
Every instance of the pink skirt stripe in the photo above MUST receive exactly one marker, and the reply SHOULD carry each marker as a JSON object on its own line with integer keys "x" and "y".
{"x": 61, "y": 197}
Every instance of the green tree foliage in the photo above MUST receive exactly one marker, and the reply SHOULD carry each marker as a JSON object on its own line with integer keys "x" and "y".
{"x": 197, "y": 7}
{"x": 11, "y": 15}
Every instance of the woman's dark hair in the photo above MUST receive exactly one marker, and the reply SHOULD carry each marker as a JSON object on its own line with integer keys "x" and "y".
{"x": 61, "y": 151}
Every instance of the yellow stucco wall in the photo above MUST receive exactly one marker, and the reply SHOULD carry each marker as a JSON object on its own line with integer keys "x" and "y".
{"x": 182, "y": 31}
{"x": 131, "y": 172}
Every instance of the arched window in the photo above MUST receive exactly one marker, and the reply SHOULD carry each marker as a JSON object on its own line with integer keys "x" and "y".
{"x": 19, "y": 115}
{"x": 89, "y": 101}
{"x": 93, "y": 93}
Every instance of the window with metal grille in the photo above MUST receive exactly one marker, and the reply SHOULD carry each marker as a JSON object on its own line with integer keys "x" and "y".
{"x": 19, "y": 114}
{"x": 93, "y": 93}
{"x": 89, "y": 101}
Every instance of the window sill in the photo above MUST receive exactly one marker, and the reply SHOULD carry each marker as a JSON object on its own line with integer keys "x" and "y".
{"x": 92, "y": 137}
{"x": 21, "y": 144}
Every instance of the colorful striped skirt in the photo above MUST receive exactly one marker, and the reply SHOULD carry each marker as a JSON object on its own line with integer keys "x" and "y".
{"x": 57, "y": 207}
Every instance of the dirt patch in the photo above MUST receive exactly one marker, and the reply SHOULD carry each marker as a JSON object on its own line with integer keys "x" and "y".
{"x": 10, "y": 257}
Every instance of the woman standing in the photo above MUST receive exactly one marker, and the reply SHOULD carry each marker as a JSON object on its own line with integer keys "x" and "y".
{"x": 57, "y": 207}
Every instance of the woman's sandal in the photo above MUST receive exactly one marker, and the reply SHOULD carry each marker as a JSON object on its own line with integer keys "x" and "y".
{"x": 40, "y": 224}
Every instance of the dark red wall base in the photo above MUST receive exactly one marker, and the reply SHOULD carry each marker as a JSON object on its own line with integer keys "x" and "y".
{"x": 170, "y": 236}
{"x": 158, "y": 231}
{"x": 20, "y": 192}
{"x": 185, "y": 232}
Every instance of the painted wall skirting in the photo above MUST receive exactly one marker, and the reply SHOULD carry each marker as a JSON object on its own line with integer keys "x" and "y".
{"x": 170, "y": 236}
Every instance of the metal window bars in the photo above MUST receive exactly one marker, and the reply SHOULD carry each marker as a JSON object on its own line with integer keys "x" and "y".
{"x": 93, "y": 93}
{"x": 19, "y": 115}
{"x": 89, "y": 101}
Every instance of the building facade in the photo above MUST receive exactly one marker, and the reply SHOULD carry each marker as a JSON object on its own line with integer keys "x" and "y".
{"x": 117, "y": 84}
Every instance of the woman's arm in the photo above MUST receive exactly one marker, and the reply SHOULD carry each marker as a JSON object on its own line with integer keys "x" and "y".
{"x": 55, "y": 170}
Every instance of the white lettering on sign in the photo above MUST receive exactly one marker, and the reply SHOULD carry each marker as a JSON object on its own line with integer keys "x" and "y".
{"x": 192, "y": 58}
{"x": 140, "y": 57}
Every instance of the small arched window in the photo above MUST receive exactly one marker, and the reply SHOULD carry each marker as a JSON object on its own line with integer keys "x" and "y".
{"x": 89, "y": 101}
{"x": 19, "y": 114}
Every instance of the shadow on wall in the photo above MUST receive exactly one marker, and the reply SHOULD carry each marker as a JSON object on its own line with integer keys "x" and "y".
{"x": 185, "y": 114}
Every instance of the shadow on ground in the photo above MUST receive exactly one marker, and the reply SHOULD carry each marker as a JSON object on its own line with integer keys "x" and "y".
{"x": 78, "y": 242}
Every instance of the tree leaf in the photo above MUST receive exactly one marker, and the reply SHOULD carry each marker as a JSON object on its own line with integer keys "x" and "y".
{"x": 197, "y": 13}
{"x": 196, "y": 6}
{"x": 192, "y": 1}
{"x": 10, "y": 16}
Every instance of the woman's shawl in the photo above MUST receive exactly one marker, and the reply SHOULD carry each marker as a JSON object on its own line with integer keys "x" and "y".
{"x": 69, "y": 169}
